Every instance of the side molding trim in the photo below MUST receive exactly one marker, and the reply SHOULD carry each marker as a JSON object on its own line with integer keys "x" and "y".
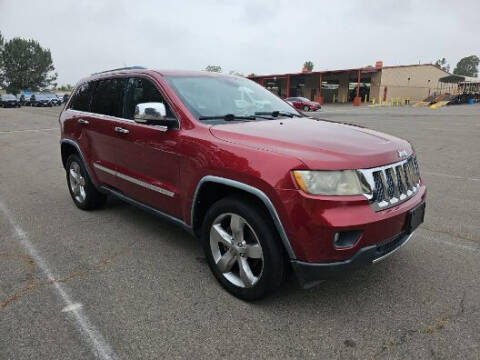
{"x": 134, "y": 180}
{"x": 254, "y": 191}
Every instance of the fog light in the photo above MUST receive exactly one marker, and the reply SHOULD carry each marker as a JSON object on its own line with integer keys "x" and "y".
{"x": 346, "y": 239}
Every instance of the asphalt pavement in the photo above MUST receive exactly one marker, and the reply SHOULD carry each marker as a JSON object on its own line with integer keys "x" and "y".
{"x": 119, "y": 283}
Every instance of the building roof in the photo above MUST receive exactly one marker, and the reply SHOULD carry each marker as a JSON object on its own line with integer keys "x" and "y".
{"x": 366, "y": 69}
{"x": 453, "y": 78}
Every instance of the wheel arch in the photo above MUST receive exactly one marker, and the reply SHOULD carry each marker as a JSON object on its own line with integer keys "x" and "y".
{"x": 213, "y": 188}
{"x": 69, "y": 147}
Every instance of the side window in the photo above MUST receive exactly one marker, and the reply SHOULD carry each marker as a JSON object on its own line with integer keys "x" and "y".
{"x": 81, "y": 98}
{"x": 141, "y": 90}
{"x": 108, "y": 97}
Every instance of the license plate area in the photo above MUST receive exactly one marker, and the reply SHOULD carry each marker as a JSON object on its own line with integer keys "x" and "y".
{"x": 416, "y": 216}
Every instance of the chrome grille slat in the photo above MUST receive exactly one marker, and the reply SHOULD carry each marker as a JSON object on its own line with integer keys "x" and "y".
{"x": 393, "y": 184}
{"x": 402, "y": 186}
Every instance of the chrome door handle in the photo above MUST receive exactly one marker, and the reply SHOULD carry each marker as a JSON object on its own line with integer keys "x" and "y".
{"x": 121, "y": 130}
{"x": 83, "y": 121}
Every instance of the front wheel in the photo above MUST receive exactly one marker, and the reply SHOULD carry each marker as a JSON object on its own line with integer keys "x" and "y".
{"x": 243, "y": 249}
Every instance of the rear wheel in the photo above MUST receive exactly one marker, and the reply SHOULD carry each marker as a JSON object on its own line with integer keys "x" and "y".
{"x": 242, "y": 249}
{"x": 83, "y": 192}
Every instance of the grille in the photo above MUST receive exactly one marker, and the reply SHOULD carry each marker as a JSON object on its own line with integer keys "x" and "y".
{"x": 394, "y": 183}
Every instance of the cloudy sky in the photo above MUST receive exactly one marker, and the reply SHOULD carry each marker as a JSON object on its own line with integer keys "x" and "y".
{"x": 270, "y": 36}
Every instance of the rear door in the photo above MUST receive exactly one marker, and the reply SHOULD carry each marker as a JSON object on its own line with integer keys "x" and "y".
{"x": 148, "y": 162}
{"x": 102, "y": 128}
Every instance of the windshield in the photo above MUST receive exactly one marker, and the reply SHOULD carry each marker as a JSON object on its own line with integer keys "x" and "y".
{"x": 9, "y": 97}
{"x": 208, "y": 96}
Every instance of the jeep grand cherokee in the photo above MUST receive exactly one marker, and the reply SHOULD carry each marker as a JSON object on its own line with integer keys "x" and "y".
{"x": 264, "y": 187}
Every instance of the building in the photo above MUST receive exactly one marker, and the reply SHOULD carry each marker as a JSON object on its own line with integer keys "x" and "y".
{"x": 371, "y": 83}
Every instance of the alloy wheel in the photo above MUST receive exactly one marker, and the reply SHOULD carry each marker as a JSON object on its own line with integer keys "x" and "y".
{"x": 77, "y": 182}
{"x": 236, "y": 250}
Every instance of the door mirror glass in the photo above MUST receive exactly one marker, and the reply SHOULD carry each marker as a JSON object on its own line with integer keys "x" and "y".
{"x": 151, "y": 112}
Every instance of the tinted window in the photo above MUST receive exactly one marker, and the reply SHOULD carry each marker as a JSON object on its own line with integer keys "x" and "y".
{"x": 108, "y": 97}
{"x": 141, "y": 90}
{"x": 81, "y": 98}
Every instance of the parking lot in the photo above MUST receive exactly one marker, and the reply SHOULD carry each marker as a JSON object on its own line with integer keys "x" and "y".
{"x": 119, "y": 283}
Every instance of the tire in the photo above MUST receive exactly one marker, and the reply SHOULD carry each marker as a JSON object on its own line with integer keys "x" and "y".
{"x": 83, "y": 192}
{"x": 306, "y": 108}
{"x": 260, "y": 255}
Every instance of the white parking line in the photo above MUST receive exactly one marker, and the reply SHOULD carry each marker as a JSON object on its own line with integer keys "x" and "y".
{"x": 97, "y": 343}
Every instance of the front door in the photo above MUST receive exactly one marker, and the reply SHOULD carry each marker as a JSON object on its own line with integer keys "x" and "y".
{"x": 148, "y": 166}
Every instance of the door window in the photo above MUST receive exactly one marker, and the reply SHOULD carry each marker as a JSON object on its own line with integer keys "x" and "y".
{"x": 108, "y": 97}
{"x": 140, "y": 90}
{"x": 81, "y": 99}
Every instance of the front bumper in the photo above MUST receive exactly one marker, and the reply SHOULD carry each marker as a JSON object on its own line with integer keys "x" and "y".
{"x": 310, "y": 274}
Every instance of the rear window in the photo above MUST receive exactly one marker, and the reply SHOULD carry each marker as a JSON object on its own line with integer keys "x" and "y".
{"x": 81, "y": 98}
{"x": 108, "y": 97}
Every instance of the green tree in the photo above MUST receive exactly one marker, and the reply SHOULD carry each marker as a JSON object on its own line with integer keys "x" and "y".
{"x": 467, "y": 66}
{"x": 308, "y": 65}
{"x": 234, "y": 72}
{"x": 24, "y": 64}
{"x": 214, "y": 68}
{"x": 442, "y": 64}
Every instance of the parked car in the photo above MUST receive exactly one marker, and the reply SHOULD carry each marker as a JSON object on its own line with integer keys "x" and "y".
{"x": 59, "y": 99}
{"x": 304, "y": 104}
{"x": 264, "y": 191}
{"x": 66, "y": 97}
{"x": 40, "y": 99}
{"x": 24, "y": 99}
{"x": 53, "y": 99}
{"x": 9, "y": 100}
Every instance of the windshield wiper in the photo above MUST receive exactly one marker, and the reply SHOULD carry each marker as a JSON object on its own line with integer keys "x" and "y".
{"x": 277, "y": 113}
{"x": 227, "y": 117}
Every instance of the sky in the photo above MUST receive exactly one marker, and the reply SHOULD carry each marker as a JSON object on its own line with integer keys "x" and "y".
{"x": 261, "y": 37}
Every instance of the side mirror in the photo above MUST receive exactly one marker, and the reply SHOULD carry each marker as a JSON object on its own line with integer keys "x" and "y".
{"x": 153, "y": 113}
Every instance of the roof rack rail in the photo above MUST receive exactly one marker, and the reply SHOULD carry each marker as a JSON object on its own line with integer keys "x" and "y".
{"x": 123, "y": 68}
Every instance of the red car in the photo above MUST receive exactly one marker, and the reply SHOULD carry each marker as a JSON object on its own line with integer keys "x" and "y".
{"x": 262, "y": 186}
{"x": 304, "y": 104}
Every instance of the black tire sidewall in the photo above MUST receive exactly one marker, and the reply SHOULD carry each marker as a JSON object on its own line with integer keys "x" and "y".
{"x": 273, "y": 269}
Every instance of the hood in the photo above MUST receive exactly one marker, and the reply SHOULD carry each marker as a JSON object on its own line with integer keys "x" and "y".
{"x": 319, "y": 144}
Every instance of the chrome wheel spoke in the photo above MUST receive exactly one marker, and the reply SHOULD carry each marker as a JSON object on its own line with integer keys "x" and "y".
{"x": 236, "y": 224}
{"x": 73, "y": 174}
{"x": 254, "y": 251}
{"x": 246, "y": 273}
{"x": 219, "y": 235}
{"x": 226, "y": 261}
{"x": 81, "y": 193}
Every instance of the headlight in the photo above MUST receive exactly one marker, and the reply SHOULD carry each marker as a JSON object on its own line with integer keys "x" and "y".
{"x": 344, "y": 182}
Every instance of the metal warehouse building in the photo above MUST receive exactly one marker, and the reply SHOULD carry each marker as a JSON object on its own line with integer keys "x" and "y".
{"x": 379, "y": 83}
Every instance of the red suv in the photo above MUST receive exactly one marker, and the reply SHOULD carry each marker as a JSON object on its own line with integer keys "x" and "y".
{"x": 265, "y": 188}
